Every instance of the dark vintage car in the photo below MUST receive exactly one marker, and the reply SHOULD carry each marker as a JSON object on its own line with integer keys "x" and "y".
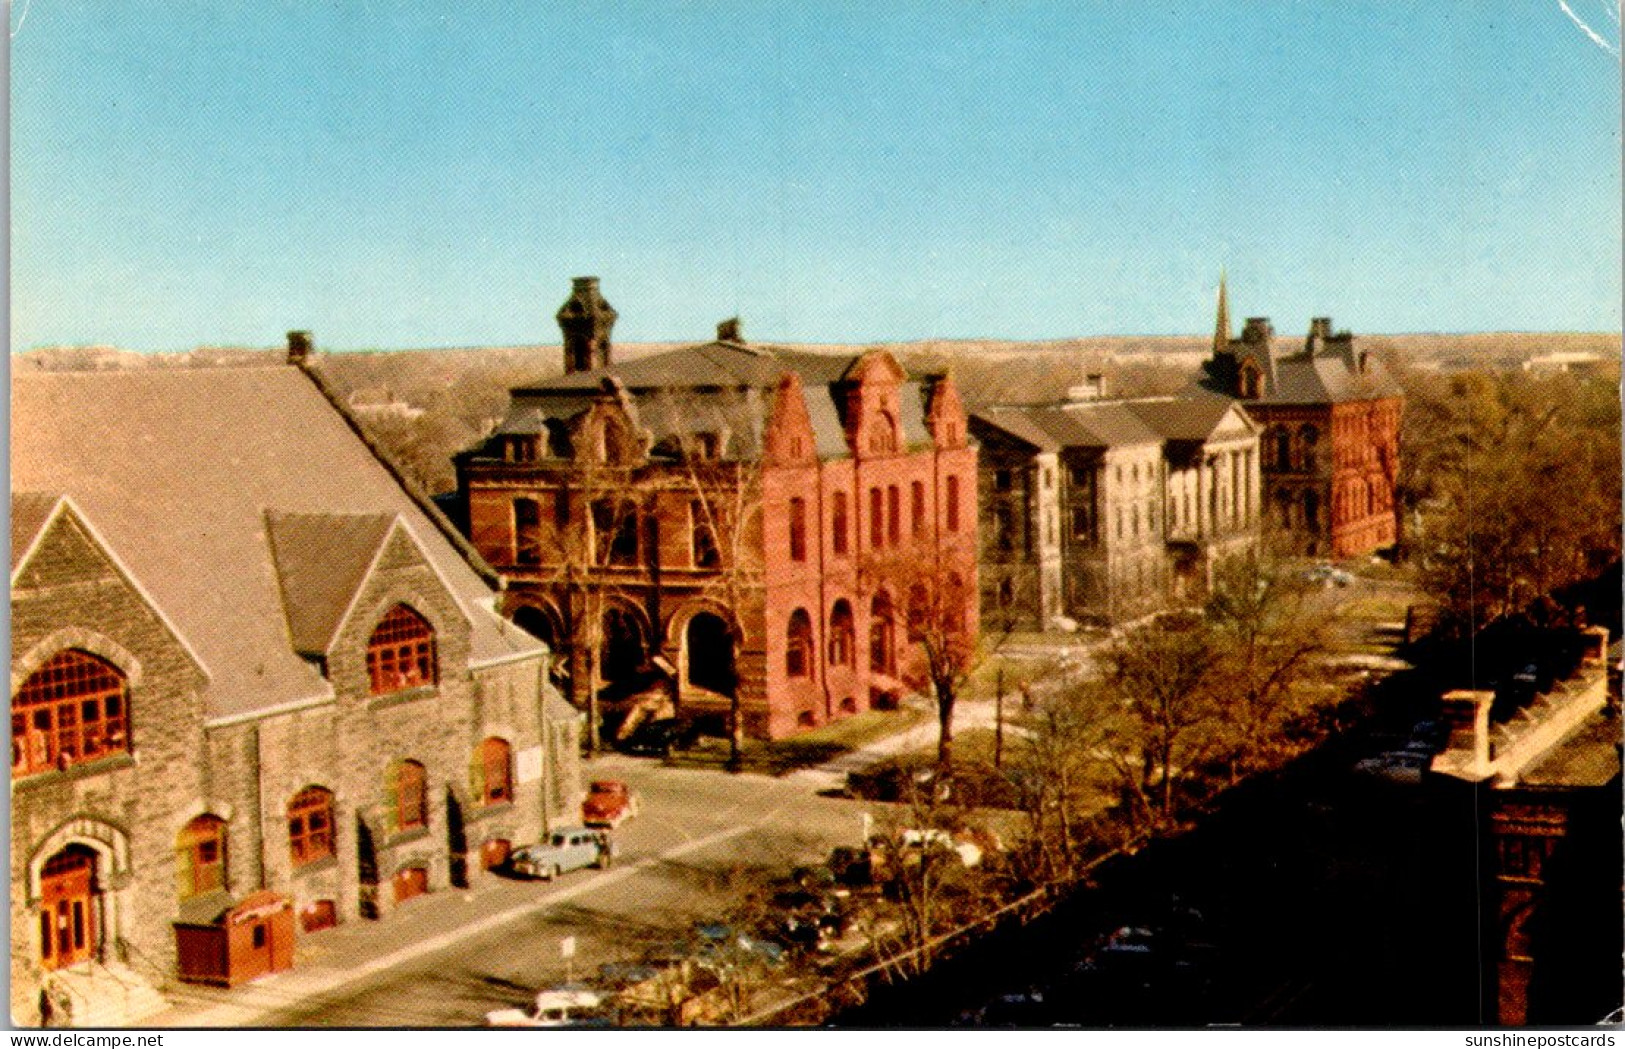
{"x": 609, "y": 803}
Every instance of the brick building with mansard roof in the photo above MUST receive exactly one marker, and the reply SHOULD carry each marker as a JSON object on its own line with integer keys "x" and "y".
{"x": 728, "y": 522}
{"x": 1331, "y": 431}
{"x": 248, "y": 666}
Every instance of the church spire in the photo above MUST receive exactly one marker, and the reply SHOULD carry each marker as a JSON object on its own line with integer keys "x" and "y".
{"x": 1221, "y": 329}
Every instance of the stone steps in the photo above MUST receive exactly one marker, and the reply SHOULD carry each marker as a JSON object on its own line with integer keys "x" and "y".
{"x": 104, "y": 995}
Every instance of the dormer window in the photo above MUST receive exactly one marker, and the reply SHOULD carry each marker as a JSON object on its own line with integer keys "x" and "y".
{"x": 401, "y": 653}
{"x": 522, "y": 448}
{"x": 1251, "y": 380}
{"x": 883, "y": 434}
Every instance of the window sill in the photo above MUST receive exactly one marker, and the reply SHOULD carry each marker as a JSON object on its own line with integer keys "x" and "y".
{"x": 481, "y": 812}
{"x": 405, "y": 695}
{"x": 98, "y": 767}
{"x": 326, "y": 863}
{"x": 406, "y": 837}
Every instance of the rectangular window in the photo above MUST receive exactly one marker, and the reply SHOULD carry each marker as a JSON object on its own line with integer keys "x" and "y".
{"x": 1081, "y": 524}
{"x": 953, "y": 503}
{"x": 917, "y": 508}
{"x": 837, "y": 526}
{"x": 894, "y": 515}
{"x": 1003, "y": 480}
{"x": 877, "y": 519}
{"x": 798, "y": 529}
{"x": 527, "y": 532}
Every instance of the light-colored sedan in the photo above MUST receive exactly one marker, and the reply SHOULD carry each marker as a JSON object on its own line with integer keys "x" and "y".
{"x": 566, "y": 849}
{"x": 560, "y": 1008}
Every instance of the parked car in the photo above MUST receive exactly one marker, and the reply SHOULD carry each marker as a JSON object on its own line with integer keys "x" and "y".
{"x": 1396, "y": 766}
{"x": 1328, "y": 575}
{"x": 609, "y": 803}
{"x": 564, "y": 1007}
{"x": 660, "y": 738}
{"x": 565, "y": 850}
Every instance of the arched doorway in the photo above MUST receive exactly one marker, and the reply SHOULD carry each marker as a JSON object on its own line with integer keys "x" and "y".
{"x": 623, "y": 654}
{"x": 709, "y": 654}
{"x": 68, "y": 907}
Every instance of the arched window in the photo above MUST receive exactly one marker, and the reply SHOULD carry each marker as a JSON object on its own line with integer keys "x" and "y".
{"x": 704, "y": 540}
{"x": 840, "y": 634}
{"x": 310, "y": 825}
{"x": 200, "y": 857}
{"x": 1250, "y": 380}
{"x": 798, "y": 529}
{"x": 953, "y": 503}
{"x": 799, "y": 645}
{"x": 1311, "y": 509}
{"x": 527, "y": 532}
{"x": 917, "y": 508}
{"x": 401, "y": 653}
{"x": 616, "y": 527}
{"x": 493, "y": 772}
{"x": 1283, "y": 449}
{"x": 72, "y": 710}
{"x": 882, "y": 636}
{"x": 1308, "y": 437}
{"x": 837, "y": 524}
{"x": 877, "y": 518}
{"x": 894, "y": 515}
{"x": 410, "y": 786}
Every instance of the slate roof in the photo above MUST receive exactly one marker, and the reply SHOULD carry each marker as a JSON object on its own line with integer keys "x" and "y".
{"x": 29, "y": 512}
{"x": 723, "y": 385}
{"x": 1081, "y": 424}
{"x": 1182, "y": 418}
{"x": 1291, "y": 375}
{"x": 187, "y": 474}
{"x": 321, "y": 560}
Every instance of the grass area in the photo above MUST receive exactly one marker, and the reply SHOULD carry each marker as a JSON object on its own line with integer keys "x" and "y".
{"x": 813, "y": 747}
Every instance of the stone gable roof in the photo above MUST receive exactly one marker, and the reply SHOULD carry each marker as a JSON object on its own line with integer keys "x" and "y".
{"x": 321, "y": 561}
{"x": 29, "y": 512}
{"x": 179, "y": 471}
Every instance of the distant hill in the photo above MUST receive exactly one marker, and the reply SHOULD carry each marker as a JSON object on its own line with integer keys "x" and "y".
{"x": 426, "y": 405}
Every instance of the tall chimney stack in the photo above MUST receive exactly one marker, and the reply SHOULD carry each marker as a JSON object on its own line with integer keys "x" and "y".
{"x": 730, "y": 330}
{"x": 586, "y": 320}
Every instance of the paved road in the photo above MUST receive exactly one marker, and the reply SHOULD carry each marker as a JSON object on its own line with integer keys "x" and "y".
{"x": 701, "y": 840}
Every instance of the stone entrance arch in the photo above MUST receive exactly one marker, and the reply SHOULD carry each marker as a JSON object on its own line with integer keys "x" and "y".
{"x": 708, "y": 654}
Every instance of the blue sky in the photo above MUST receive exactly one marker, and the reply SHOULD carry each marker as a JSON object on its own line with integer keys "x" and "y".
{"x": 394, "y": 174}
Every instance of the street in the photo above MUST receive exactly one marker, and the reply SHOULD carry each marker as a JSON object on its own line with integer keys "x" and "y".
{"x": 729, "y": 833}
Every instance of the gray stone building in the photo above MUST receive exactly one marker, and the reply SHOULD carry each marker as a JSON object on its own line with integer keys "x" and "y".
{"x": 1108, "y": 510}
{"x": 246, "y": 662}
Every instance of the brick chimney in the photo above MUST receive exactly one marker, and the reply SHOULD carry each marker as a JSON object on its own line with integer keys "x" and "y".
{"x": 299, "y": 348}
{"x": 1257, "y": 329}
{"x": 730, "y": 330}
{"x": 586, "y": 320}
{"x": 1093, "y": 388}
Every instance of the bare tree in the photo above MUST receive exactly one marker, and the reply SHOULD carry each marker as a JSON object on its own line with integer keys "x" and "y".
{"x": 715, "y": 444}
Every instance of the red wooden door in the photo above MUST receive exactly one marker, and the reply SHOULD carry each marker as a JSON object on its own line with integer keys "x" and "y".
{"x": 413, "y": 881}
{"x": 67, "y": 911}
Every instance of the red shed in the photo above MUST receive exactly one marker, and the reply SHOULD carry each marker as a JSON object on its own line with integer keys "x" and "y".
{"x": 243, "y": 941}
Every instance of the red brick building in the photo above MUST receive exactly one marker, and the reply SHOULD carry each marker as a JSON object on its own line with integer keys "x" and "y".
{"x": 728, "y": 522}
{"x": 1330, "y": 444}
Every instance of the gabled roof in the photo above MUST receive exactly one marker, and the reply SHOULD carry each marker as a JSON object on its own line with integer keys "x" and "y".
{"x": 179, "y": 469}
{"x": 1187, "y": 418}
{"x": 1080, "y": 424}
{"x": 321, "y": 561}
{"x": 1293, "y": 374}
{"x": 29, "y": 512}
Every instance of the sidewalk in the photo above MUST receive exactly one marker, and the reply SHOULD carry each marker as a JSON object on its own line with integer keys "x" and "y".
{"x": 354, "y": 951}
{"x": 357, "y": 950}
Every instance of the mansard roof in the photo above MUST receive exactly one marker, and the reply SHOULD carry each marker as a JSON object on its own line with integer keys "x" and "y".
{"x": 1311, "y": 371}
{"x": 719, "y": 386}
{"x": 189, "y": 475}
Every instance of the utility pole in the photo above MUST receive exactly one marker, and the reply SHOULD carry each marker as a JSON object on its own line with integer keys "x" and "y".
{"x": 998, "y": 719}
